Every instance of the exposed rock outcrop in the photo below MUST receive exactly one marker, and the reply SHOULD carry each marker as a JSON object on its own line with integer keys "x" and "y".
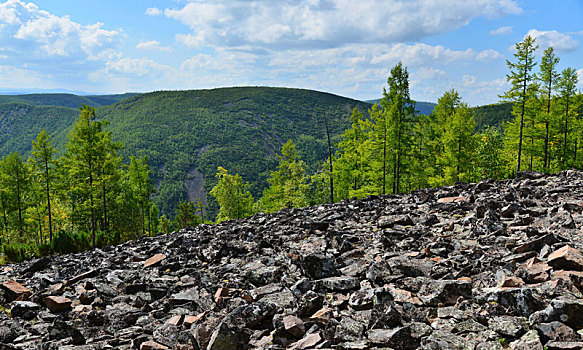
{"x": 493, "y": 265}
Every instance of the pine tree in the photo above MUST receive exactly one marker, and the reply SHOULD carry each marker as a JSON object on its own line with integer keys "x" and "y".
{"x": 232, "y": 194}
{"x": 520, "y": 78}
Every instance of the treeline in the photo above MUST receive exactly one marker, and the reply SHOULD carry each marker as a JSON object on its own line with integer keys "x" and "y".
{"x": 395, "y": 149}
{"x": 83, "y": 199}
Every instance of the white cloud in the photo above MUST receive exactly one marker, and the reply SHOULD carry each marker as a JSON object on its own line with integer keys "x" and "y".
{"x": 502, "y": 31}
{"x": 31, "y": 35}
{"x": 153, "y": 45}
{"x": 153, "y": 11}
{"x": 135, "y": 67}
{"x": 423, "y": 54}
{"x": 559, "y": 41}
{"x": 427, "y": 73}
{"x": 330, "y": 23}
{"x": 580, "y": 78}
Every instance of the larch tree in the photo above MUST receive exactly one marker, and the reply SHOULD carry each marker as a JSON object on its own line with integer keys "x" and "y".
{"x": 86, "y": 152}
{"x": 15, "y": 177}
{"x": 232, "y": 194}
{"x": 44, "y": 165}
{"x": 567, "y": 87}
{"x": 401, "y": 111}
{"x": 288, "y": 184}
{"x": 520, "y": 77}
{"x": 548, "y": 77}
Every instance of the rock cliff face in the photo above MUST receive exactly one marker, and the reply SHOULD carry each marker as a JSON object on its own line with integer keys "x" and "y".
{"x": 493, "y": 265}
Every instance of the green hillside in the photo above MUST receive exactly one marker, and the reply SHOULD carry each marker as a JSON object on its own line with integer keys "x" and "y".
{"x": 65, "y": 100}
{"x": 492, "y": 115}
{"x": 424, "y": 108}
{"x": 21, "y": 122}
{"x": 188, "y": 134}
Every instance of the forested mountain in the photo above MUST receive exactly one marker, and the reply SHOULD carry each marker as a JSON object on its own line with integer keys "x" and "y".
{"x": 188, "y": 134}
{"x": 492, "y": 115}
{"x": 424, "y": 108}
{"x": 65, "y": 100}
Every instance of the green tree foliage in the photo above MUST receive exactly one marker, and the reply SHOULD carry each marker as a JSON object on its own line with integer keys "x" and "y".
{"x": 87, "y": 150}
{"x": 189, "y": 214}
{"x": 44, "y": 166}
{"x": 288, "y": 184}
{"x": 567, "y": 88}
{"x": 234, "y": 198}
{"x": 459, "y": 147}
{"x": 548, "y": 77}
{"x": 520, "y": 78}
{"x": 392, "y": 130}
{"x": 350, "y": 164}
{"x": 15, "y": 179}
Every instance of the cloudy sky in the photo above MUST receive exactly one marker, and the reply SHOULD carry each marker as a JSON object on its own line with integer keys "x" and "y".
{"x": 346, "y": 47}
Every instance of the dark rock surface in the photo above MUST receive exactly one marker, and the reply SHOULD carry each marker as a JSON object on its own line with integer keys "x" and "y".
{"x": 493, "y": 265}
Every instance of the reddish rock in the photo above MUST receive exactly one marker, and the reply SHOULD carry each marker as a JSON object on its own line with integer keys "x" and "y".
{"x": 175, "y": 320}
{"x": 534, "y": 271}
{"x": 511, "y": 282}
{"x": 18, "y": 291}
{"x": 152, "y": 345}
{"x": 189, "y": 320}
{"x": 404, "y": 296}
{"x": 57, "y": 304}
{"x": 153, "y": 261}
{"x": 458, "y": 199}
{"x": 308, "y": 342}
{"x": 294, "y": 326}
{"x": 324, "y": 314}
{"x": 220, "y": 295}
{"x": 576, "y": 277}
{"x": 57, "y": 288}
{"x": 566, "y": 258}
{"x": 79, "y": 277}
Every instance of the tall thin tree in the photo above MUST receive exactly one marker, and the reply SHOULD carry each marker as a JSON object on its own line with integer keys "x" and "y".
{"x": 520, "y": 77}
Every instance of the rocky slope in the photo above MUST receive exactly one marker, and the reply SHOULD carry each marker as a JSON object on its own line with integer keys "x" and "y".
{"x": 493, "y": 265}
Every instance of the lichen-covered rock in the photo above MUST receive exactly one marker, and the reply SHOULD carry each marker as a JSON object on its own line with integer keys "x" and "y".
{"x": 487, "y": 266}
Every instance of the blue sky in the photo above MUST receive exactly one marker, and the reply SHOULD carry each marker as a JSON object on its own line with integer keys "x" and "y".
{"x": 345, "y": 47}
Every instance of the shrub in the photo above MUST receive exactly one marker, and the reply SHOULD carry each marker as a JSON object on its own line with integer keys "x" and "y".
{"x": 17, "y": 252}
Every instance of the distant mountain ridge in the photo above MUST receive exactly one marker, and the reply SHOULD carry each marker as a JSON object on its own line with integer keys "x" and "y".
{"x": 425, "y": 108}
{"x": 66, "y": 99}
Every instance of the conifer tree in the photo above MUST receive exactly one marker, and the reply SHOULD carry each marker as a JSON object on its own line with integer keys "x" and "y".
{"x": 548, "y": 77}
{"x": 15, "y": 178}
{"x": 288, "y": 184}
{"x": 45, "y": 164}
{"x": 520, "y": 78}
{"x": 233, "y": 196}
{"x": 440, "y": 120}
{"x": 86, "y": 153}
{"x": 567, "y": 88}
{"x": 459, "y": 145}
{"x": 351, "y": 160}
{"x": 392, "y": 129}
